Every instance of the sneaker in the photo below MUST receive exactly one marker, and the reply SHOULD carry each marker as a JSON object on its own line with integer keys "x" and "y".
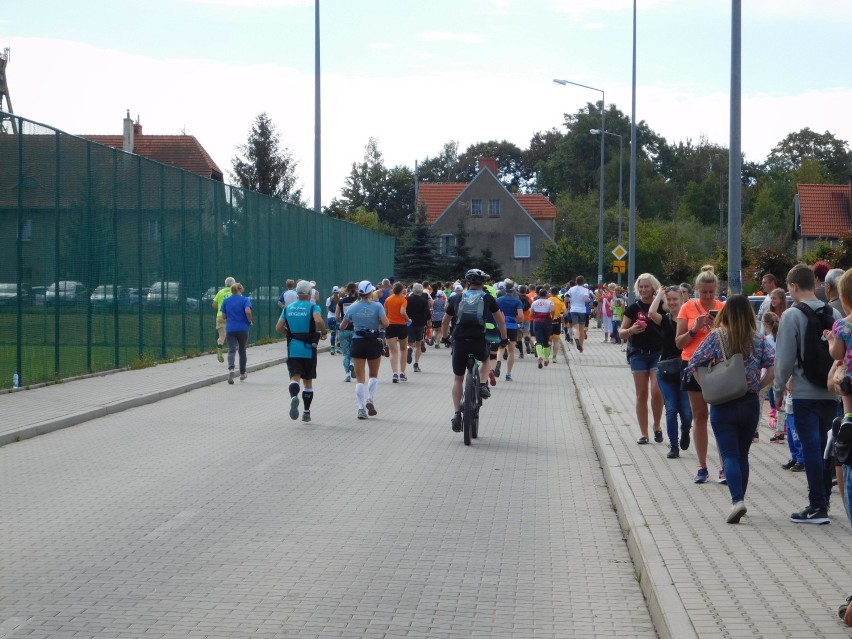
{"x": 231, "y": 376}
{"x": 422, "y": 347}
{"x": 386, "y": 351}
{"x": 684, "y": 438}
{"x": 484, "y": 391}
{"x": 642, "y": 440}
{"x": 810, "y": 515}
{"x": 395, "y": 379}
{"x": 722, "y": 479}
{"x": 505, "y": 355}
{"x": 456, "y": 422}
{"x": 417, "y": 368}
{"x": 402, "y": 377}
{"x": 788, "y": 465}
{"x": 492, "y": 379}
{"x": 332, "y": 350}
{"x": 701, "y": 476}
{"x": 437, "y": 345}
{"x": 306, "y": 416}
{"x": 352, "y": 369}
{"x": 540, "y": 364}
{"x": 777, "y": 438}
{"x": 497, "y": 369}
{"x": 348, "y": 378}
{"x": 362, "y": 414}
{"x": 508, "y": 377}
{"x": 737, "y": 511}
{"x": 673, "y": 453}
{"x": 658, "y": 436}
{"x": 579, "y": 348}
{"x": 294, "y": 408}
{"x": 546, "y": 362}
{"x": 755, "y": 438}
{"x": 371, "y": 408}
{"x": 798, "y": 467}
{"x": 410, "y": 355}
{"x": 220, "y": 354}
{"x": 554, "y": 359}
{"x": 521, "y": 353}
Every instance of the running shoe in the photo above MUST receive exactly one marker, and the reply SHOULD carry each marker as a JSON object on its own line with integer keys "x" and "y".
{"x": 243, "y": 376}
{"x": 497, "y": 369}
{"x": 456, "y": 422}
{"x": 371, "y": 408}
{"x": 416, "y": 368}
{"x": 658, "y": 436}
{"x": 508, "y": 377}
{"x": 701, "y": 476}
{"x": 684, "y": 438}
{"x": 505, "y": 354}
{"x": 810, "y": 516}
{"x": 294, "y": 408}
{"x": 540, "y": 364}
{"x": 306, "y": 416}
{"x": 546, "y": 362}
{"x": 422, "y": 347}
{"x": 484, "y": 391}
{"x": 673, "y": 453}
{"x": 386, "y": 351}
{"x": 332, "y": 350}
{"x": 410, "y": 355}
{"x": 362, "y": 414}
{"x": 219, "y": 354}
{"x": 402, "y": 377}
{"x": 348, "y": 378}
{"x": 351, "y": 369}
{"x": 722, "y": 479}
{"x": 395, "y": 379}
{"x": 231, "y": 375}
{"x": 492, "y": 378}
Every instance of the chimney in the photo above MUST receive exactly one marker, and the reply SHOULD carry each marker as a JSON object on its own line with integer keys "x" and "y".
{"x": 490, "y": 163}
{"x": 137, "y": 128}
{"x": 127, "y": 143}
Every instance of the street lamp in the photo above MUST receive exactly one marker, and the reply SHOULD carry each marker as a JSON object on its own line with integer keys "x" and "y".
{"x": 603, "y": 128}
{"x": 620, "y": 181}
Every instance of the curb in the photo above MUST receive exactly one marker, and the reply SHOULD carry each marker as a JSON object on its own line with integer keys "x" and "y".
{"x": 124, "y": 404}
{"x": 668, "y": 613}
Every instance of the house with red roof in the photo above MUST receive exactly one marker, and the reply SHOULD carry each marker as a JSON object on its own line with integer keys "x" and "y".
{"x": 823, "y": 214}
{"x": 515, "y": 227}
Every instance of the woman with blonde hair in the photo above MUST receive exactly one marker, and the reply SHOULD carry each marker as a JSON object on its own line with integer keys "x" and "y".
{"x": 694, "y": 323}
{"x": 734, "y": 422}
{"x": 778, "y": 301}
{"x": 643, "y": 353}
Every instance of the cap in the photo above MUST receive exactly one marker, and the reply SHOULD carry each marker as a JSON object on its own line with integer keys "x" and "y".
{"x": 365, "y": 287}
{"x": 501, "y": 286}
{"x": 458, "y": 287}
{"x": 440, "y": 293}
{"x": 336, "y": 289}
{"x": 303, "y": 287}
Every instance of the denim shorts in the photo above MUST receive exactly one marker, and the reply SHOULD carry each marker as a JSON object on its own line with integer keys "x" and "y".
{"x": 644, "y": 362}
{"x": 578, "y": 318}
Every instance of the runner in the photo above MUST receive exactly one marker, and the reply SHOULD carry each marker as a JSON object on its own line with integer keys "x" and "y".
{"x": 303, "y": 325}
{"x": 344, "y": 336}
{"x": 367, "y": 317}
{"x": 512, "y": 308}
{"x": 418, "y": 312}
{"x": 331, "y": 315}
{"x": 237, "y": 312}
{"x": 556, "y": 325}
{"x": 220, "y": 297}
{"x": 439, "y": 307}
{"x": 580, "y": 298}
{"x": 396, "y": 334}
{"x": 542, "y": 321}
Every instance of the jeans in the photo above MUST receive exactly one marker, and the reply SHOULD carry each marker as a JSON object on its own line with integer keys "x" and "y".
{"x": 344, "y": 339}
{"x": 793, "y": 442}
{"x": 237, "y": 341}
{"x": 813, "y": 421}
{"x": 733, "y": 425}
{"x": 616, "y": 325}
{"x": 677, "y": 403}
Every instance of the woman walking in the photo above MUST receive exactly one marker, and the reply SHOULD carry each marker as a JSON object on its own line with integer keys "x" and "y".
{"x": 367, "y": 317}
{"x": 331, "y": 317}
{"x": 344, "y": 336}
{"x": 238, "y": 319}
{"x": 397, "y": 332}
{"x": 734, "y": 422}
{"x": 669, "y": 369}
{"x": 643, "y": 353}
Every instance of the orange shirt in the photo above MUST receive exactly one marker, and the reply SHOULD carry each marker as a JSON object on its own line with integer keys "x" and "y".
{"x": 690, "y": 312}
{"x": 393, "y": 305}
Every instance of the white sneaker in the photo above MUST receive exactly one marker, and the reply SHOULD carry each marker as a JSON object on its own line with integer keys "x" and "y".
{"x": 737, "y": 511}
{"x": 348, "y": 378}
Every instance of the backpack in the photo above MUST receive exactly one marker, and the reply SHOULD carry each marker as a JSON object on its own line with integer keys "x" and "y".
{"x": 471, "y": 310}
{"x": 816, "y": 361}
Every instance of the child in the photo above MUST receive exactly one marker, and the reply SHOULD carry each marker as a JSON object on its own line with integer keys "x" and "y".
{"x": 770, "y": 330}
{"x": 797, "y": 457}
{"x": 617, "y": 316}
{"x": 840, "y": 339}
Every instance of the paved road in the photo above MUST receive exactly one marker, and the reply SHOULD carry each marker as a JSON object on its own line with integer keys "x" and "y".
{"x": 211, "y": 514}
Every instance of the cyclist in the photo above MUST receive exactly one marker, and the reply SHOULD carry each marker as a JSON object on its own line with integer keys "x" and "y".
{"x": 469, "y": 308}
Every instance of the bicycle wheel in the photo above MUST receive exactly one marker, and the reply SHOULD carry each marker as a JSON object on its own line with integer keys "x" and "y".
{"x": 468, "y": 407}
{"x": 474, "y": 430}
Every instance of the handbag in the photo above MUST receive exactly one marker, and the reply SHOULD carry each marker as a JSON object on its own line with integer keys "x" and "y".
{"x": 723, "y": 381}
{"x": 670, "y": 368}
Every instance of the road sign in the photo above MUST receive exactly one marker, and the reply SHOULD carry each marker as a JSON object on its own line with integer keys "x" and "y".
{"x": 619, "y": 266}
{"x": 619, "y": 252}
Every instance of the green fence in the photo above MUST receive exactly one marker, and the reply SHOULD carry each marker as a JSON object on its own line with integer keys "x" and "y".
{"x": 91, "y": 233}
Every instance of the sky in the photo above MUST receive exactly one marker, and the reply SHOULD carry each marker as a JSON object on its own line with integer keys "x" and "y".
{"x": 415, "y": 75}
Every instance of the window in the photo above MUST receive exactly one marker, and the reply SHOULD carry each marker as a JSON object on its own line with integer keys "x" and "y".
{"x": 26, "y": 231}
{"x": 154, "y": 230}
{"x": 448, "y": 244}
{"x": 522, "y": 246}
{"x": 476, "y": 208}
{"x": 493, "y": 208}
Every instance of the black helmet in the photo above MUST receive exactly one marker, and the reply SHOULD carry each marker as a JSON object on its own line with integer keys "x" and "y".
{"x": 476, "y": 276}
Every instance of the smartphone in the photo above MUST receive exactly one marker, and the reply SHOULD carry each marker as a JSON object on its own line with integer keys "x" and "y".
{"x": 713, "y": 313}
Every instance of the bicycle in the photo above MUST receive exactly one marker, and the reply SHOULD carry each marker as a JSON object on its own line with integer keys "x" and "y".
{"x": 471, "y": 401}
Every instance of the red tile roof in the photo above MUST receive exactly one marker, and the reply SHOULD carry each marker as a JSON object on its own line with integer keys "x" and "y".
{"x": 824, "y": 209}
{"x": 183, "y": 151}
{"x": 437, "y": 196}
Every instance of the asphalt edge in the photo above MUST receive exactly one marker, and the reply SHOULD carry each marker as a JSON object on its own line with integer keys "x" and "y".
{"x": 53, "y": 425}
{"x": 667, "y": 610}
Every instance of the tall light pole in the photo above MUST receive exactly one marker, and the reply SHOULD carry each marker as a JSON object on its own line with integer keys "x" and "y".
{"x": 620, "y": 180}
{"x": 601, "y": 217}
{"x": 317, "y": 121}
{"x": 631, "y": 246}
{"x": 735, "y": 169}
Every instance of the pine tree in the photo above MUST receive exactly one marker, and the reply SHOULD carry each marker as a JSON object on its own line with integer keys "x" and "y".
{"x": 462, "y": 258}
{"x": 490, "y": 265}
{"x": 418, "y": 258}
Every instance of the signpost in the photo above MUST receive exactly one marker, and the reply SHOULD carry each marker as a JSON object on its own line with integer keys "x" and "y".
{"x": 619, "y": 266}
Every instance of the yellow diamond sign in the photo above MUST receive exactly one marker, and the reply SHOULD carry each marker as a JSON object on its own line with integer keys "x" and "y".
{"x": 619, "y": 252}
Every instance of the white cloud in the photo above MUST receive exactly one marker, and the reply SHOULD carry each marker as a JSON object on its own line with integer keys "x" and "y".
{"x": 432, "y": 36}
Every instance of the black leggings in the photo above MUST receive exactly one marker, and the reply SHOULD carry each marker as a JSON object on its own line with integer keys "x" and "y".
{"x": 236, "y": 341}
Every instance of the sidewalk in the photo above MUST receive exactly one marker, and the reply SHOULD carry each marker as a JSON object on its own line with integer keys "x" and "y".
{"x": 27, "y": 413}
{"x": 765, "y": 577}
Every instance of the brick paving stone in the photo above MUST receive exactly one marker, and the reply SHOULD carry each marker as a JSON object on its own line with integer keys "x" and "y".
{"x": 213, "y": 514}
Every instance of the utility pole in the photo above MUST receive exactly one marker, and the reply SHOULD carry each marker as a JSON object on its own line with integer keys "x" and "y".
{"x": 4, "y": 92}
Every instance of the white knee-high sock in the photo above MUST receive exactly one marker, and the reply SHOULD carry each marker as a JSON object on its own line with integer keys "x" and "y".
{"x": 372, "y": 384}
{"x": 360, "y": 394}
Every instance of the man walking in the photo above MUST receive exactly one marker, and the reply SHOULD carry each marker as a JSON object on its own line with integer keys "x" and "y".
{"x": 220, "y": 297}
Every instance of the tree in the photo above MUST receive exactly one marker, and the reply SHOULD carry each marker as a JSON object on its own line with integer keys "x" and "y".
{"x": 418, "y": 258}
{"x": 442, "y": 168}
{"x": 832, "y": 153}
{"x": 511, "y": 169}
{"x": 489, "y": 264}
{"x": 462, "y": 258}
{"x": 264, "y": 166}
{"x": 565, "y": 260}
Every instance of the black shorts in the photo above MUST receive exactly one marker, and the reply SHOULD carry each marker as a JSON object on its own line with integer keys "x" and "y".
{"x": 365, "y": 348}
{"x": 436, "y": 324}
{"x": 416, "y": 333}
{"x": 397, "y": 330}
{"x": 461, "y": 349}
{"x": 556, "y": 328}
{"x": 691, "y": 385}
{"x": 512, "y": 334}
{"x": 304, "y": 367}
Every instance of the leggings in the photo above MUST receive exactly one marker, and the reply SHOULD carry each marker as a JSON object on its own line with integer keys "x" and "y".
{"x": 237, "y": 341}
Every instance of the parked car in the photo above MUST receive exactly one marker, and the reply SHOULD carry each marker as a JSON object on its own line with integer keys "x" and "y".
{"x": 38, "y": 293}
{"x": 264, "y": 294}
{"x": 169, "y": 294}
{"x": 67, "y": 293}
{"x": 207, "y": 297}
{"x": 137, "y": 295}
{"x": 757, "y": 300}
{"x": 9, "y": 294}
{"x": 103, "y": 297}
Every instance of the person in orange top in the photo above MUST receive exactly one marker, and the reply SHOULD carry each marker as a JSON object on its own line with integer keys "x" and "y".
{"x": 558, "y": 317}
{"x": 694, "y": 322}
{"x": 397, "y": 332}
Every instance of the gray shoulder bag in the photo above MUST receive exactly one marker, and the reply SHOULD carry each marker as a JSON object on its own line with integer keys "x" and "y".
{"x": 723, "y": 381}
